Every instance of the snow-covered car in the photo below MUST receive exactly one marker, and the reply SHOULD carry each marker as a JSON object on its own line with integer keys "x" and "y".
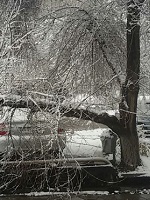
{"x": 97, "y": 142}
{"x": 84, "y": 143}
{"x": 85, "y": 160}
{"x": 29, "y": 136}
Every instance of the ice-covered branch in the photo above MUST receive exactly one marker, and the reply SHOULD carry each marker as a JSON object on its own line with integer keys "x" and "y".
{"x": 104, "y": 118}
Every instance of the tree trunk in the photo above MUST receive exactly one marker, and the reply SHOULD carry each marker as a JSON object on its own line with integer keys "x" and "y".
{"x": 129, "y": 152}
{"x": 128, "y": 107}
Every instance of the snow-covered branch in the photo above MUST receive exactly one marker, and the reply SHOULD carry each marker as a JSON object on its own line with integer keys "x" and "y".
{"x": 104, "y": 118}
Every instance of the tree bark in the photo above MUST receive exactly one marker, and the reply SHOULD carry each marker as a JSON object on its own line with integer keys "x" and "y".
{"x": 130, "y": 158}
{"x": 129, "y": 152}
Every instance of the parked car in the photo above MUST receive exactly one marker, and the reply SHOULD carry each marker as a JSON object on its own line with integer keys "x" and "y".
{"x": 29, "y": 136}
{"x": 143, "y": 124}
{"x": 86, "y": 162}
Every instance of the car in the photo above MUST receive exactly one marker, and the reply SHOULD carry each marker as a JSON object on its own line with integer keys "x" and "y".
{"x": 26, "y": 135}
{"x": 75, "y": 170}
{"x": 143, "y": 125}
{"x": 85, "y": 161}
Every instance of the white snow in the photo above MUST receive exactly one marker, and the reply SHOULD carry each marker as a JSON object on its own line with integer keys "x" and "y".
{"x": 90, "y": 99}
{"x": 84, "y": 143}
{"x": 19, "y": 115}
{"x": 143, "y": 170}
{"x": 146, "y": 165}
{"x": 64, "y": 193}
{"x": 105, "y": 134}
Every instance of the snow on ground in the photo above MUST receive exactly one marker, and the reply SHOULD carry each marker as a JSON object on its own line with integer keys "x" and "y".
{"x": 64, "y": 193}
{"x": 145, "y": 168}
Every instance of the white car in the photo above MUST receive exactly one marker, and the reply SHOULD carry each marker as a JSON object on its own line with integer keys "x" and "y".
{"x": 25, "y": 136}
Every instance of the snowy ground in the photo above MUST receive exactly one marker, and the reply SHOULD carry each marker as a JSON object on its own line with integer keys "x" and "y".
{"x": 145, "y": 156}
{"x": 79, "y": 196}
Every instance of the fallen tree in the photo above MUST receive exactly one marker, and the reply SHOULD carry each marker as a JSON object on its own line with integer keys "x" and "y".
{"x": 125, "y": 127}
{"x": 104, "y": 118}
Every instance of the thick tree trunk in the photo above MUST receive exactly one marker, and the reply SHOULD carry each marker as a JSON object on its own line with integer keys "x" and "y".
{"x": 130, "y": 158}
{"x": 128, "y": 107}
